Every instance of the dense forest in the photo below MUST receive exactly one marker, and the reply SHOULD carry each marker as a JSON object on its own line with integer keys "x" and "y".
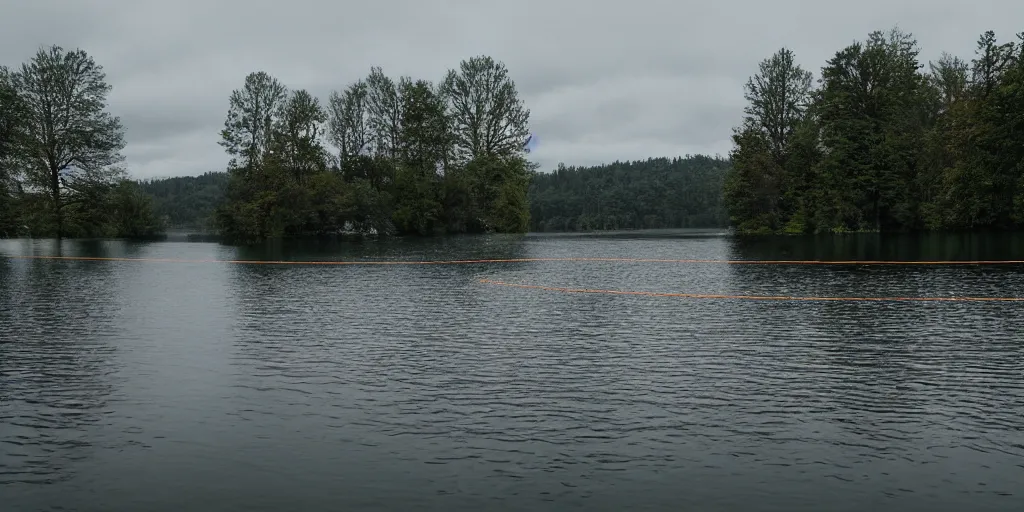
{"x": 879, "y": 142}
{"x": 383, "y": 156}
{"x": 59, "y": 153}
{"x": 187, "y": 202}
{"x": 651, "y": 194}
{"x": 882, "y": 144}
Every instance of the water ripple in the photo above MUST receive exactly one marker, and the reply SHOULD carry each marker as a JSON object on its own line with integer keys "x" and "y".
{"x": 173, "y": 387}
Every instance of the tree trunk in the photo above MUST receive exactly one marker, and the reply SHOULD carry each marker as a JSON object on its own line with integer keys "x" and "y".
{"x": 878, "y": 215}
{"x": 57, "y": 210}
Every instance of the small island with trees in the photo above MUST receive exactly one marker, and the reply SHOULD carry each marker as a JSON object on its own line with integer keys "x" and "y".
{"x": 881, "y": 144}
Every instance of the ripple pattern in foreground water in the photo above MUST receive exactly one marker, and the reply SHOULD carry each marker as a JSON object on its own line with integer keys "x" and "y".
{"x": 135, "y": 386}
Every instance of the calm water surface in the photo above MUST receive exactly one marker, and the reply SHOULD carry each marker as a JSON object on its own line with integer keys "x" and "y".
{"x": 128, "y": 385}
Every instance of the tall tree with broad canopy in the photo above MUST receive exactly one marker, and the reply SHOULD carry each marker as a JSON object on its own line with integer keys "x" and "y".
{"x": 384, "y": 109}
{"x": 11, "y": 115}
{"x": 297, "y": 143}
{"x": 487, "y": 115}
{"x": 253, "y": 113}
{"x": 778, "y": 97}
{"x": 348, "y": 121}
{"x": 70, "y": 144}
{"x": 10, "y": 128}
{"x": 871, "y": 102}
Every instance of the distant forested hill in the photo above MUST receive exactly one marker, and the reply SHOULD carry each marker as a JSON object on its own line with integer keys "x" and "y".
{"x": 650, "y": 194}
{"x": 187, "y": 202}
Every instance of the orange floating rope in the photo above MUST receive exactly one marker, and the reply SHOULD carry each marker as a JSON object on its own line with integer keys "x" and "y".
{"x": 521, "y": 260}
{"x": 615, "y": 260}
{"x": 754, "y": 297}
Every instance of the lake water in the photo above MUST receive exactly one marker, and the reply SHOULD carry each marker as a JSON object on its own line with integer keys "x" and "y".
{"x": 171, "y": 385}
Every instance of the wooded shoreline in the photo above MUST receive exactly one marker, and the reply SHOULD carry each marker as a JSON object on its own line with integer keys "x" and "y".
{"x": 876, "y": 144}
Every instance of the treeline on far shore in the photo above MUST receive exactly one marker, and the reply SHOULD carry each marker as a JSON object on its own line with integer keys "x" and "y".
{"x": 656, "y": 193}
{"x": 381, "y": 155}
{"x": 879, "y": 142}
{"x": 882, "y": 143}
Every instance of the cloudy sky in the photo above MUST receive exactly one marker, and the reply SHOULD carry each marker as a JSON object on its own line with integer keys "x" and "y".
{"x": 605, "y": 80}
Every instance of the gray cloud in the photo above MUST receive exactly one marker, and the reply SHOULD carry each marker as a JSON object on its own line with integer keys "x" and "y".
{"x": 604, "y": 80}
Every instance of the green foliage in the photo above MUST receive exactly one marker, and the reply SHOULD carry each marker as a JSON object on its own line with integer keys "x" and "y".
{"x": 109, "y": 210}
{"x": 496, "y": 190}
{"x": 11, "y": 120}
{"x": 296, "y": 143}
{"x": 187, "y": 202}
{"x": 424, "y": 143}
{"x": 778, "y": 97}
{"x": 510, "y": 211}
{"x": 12, "y": 115}
{"x": 488, "y": 118}
{"x": 756, "y": 187}
{"x": 886, "y": 146}
{"x": 420, "y": 207}
{"x": 131, "y": 211}
{"x": 397, "y": 168}
{"x": 253, "y": 112}
{"x": 652, "y": 194}
{"x": 348, "y": 128}
{"x": 59, "y": 150}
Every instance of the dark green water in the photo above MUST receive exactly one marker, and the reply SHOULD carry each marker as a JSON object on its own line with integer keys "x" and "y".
{"x": 129, "y": 385}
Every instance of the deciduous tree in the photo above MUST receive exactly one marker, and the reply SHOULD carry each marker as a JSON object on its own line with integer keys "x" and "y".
{"x": 297, "y": 143}
{"x": 778, "y": 97}
{"x": 253, "y": 113}
{"x": 348, "y": 127}
{"x": 487, "y": 115}
{"x": 70, "y": 143}
{"x": 384, "y": 109}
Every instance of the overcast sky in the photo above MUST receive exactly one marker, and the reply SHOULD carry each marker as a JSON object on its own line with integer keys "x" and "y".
{"x": 605, "y": 80}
